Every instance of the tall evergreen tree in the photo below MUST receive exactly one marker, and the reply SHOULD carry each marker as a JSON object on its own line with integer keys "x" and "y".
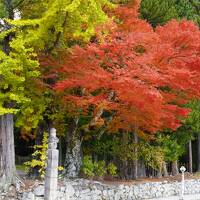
{"x": 158, "y": 12}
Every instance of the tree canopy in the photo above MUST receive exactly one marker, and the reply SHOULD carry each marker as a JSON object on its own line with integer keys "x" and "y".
{"x": 120, "y": 81}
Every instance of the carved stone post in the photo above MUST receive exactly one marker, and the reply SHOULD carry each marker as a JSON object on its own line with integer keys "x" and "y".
{"x": 51, "y": 176}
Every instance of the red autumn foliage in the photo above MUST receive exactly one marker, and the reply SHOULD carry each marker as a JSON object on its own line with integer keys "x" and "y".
{"x": 142, "y": 75}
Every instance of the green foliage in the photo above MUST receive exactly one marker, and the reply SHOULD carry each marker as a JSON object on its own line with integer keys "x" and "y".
{"x": 171, "y": 148}
{"x": 152, "y": 155}
{"x": 63, "y": 20}
{"x": 39, "y": 157}
{"x": 193, "y": 121}
{"x": 158, "y": 12}
{"x": 126, "y": 152}
{"x": 16, "y": 69}
{"x": 88, "y": 166}
{"x": 2, "y": 9}
{"x": 33, "y": 9}
{"x": 99, "y": 168}
{"x": 189, "y": 9}
{"x": 31, "y": 113}
{"x": 19, "y": 66}
{"x": 113, "y": 147}
{"x": 112, "y": 169}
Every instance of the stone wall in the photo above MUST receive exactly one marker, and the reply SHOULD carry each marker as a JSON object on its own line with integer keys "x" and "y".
{"x": 81, "y": 189}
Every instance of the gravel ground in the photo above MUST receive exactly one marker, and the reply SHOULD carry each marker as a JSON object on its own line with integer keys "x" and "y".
{"x": 186, "y": 197}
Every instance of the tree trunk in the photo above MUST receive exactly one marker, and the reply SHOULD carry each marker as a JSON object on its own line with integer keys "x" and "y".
{"x": 73, "y": 158}
{"x": 125, "y": 170}
{"x": 164, "y": 168}
{"x": 159, "y": 173}
{"x": 198, "y": 142}
{"x": 60, "y": 151}
{"x": 141, "y": 169}
{"x": 135, "y": 162}
{"x": 7, "y": 152}
{"x": 190, "y": 156}
{"x": 175, "y": 168}
{"x": 124, "y": 167}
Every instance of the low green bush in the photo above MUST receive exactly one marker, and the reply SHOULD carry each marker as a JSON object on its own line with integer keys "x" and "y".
{"x": 100, "y": 168}
{"x": 88, "y": 166}
{"x": 112, "y": 169}
{"x": 97, "y": 168}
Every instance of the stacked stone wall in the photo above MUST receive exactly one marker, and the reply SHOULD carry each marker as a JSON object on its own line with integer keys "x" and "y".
{"x": 81, "y": 189}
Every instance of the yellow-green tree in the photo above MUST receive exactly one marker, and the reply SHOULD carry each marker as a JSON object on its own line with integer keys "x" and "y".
{"x": 44, "y": 27}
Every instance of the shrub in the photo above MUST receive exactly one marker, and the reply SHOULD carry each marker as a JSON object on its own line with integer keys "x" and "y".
{"x": 88, "y": 166}
{"x": 39, "y": 157}
{"x": 112, "y": 169}
{"x": 99, "y": 168}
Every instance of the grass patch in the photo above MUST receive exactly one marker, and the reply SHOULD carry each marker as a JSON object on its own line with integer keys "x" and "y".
{"x": 21, "y": 167}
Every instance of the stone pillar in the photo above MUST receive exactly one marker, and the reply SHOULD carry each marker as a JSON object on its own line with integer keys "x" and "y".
{"x": 51, "y": 176}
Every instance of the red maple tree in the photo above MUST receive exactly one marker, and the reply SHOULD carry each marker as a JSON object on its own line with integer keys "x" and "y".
{"x": 140, "y": 75}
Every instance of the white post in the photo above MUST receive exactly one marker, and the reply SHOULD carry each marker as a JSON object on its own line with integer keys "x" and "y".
{"x": 182, "y": 169}
{"x": 51, "y": 175}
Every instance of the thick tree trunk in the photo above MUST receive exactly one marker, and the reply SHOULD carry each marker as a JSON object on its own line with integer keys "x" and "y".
{"x": 73, "y": 160}
{"x": 175, "y": 168}
{"x": 190, "y": 156}
{"x": 7, "y": 152}
{"x": 198, "y": 143}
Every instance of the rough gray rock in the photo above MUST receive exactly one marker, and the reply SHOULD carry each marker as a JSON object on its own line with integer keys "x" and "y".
{"x": 28, "y": 196}
{"x": 39, "y": 191}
